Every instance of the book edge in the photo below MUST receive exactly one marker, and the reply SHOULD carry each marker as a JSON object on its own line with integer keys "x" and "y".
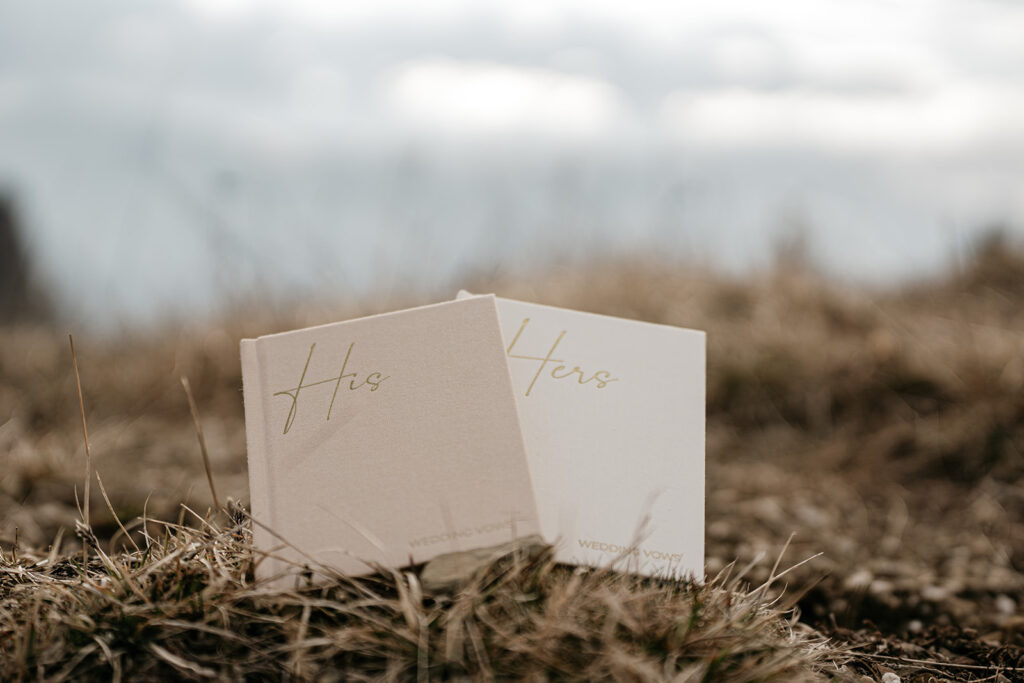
{"x": 339, "y": 323}
{"x": 463, "y": 294}
{"x": 255, "y": 441}
{"x": 511, "y": 396}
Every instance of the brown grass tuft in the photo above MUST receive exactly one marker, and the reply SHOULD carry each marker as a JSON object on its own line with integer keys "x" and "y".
{"x": 185, "y": 606}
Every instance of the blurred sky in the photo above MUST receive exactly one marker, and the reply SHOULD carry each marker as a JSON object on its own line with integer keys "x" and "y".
{"x": 167, "y": 155}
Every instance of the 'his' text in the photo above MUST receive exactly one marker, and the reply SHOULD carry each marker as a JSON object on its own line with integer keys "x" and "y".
{"x": 372, "y": 381}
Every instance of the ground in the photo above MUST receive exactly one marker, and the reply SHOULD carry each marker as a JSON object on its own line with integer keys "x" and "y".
{"x": 881, "y": 428}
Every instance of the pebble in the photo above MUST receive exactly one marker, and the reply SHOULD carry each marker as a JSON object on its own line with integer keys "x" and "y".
{"x": 890, "y": 677}
{"x": 860, "y": 579}
{"x": 934, "y": 593}
{"x": 1005, "y": 604}
{"x": 447, "y": 572}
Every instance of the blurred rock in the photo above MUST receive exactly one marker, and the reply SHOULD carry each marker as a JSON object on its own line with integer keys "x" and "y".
{"x": 1005, "y": 604}
{"x": 447, "y": 572}
{"x": 20, "y": 295}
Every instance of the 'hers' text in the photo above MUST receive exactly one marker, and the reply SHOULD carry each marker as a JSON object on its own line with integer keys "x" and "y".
{"x": 371, "y": 382}
{"x": 559, "y": 369}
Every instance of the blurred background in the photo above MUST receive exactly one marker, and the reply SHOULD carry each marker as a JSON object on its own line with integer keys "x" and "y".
{"x": 170, "y": 157}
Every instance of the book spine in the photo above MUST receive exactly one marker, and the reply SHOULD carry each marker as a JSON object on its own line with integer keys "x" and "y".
{"x": 256, "y": 448}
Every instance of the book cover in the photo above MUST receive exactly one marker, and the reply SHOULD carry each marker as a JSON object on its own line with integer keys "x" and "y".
{"x": 384, "y": 441}
{"x": 612, "y": 411}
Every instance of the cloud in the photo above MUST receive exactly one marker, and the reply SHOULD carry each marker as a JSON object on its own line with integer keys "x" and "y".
{"x": 956, "y": 118}
{"x": 330, "y": 13}
{"x": 481, "y": 98}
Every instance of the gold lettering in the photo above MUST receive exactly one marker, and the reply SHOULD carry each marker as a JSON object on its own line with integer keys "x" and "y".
{"x": 294, "y": 393}
{"x": 373, "y": 380}
{"x": 602, "y": 377}
{"x": 617, "y": 549}
{"x": 543, "y": 361}
{"x": 341, "y": 375}
{"x": 375, "y": 383}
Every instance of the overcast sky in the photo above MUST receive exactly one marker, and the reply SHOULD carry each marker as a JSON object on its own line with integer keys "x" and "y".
{"x": 143, "y": 135}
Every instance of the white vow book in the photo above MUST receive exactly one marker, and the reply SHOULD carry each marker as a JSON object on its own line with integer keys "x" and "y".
{"x": 612, "y": 411}
{"x": 385, "y": 440}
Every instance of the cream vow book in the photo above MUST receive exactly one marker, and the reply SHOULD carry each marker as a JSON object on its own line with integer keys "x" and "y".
{"x": 612, "y": 412}
{"x": 386, "y": 440}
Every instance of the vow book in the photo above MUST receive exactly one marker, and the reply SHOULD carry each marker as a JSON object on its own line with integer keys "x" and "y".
{"x": 384, "y": 441}
{"x": 613, "y": 416}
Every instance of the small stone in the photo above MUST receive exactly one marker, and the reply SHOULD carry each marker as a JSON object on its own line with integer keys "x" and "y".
{"x": 890, "y": 677}
{"x": 447, "y": 572}
{"x": 934, "y": 593}
{"x": 1005, "y": 605}
{"x": 858, "y": 580}
{"x": 915, "y": 626}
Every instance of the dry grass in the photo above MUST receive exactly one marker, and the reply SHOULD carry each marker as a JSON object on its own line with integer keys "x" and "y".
{"x": 184, "y": 605}
{"x": 886, "y": 428}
